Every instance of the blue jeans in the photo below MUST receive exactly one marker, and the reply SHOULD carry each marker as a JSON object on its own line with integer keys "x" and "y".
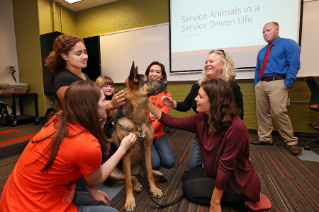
{"x": 80, "y": 185}
{"x": 85, "y": 203}
{"x": 195, "y": 157}
{"x": 162, "y": 153}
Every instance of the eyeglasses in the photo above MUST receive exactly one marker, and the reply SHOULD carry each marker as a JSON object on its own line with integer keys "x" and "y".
{"x": 108, "y": 86}
{"x": 220, "y": 50}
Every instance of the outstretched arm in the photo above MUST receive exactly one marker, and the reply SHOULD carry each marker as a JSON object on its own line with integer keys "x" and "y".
{"x": 156, "y": 112}
{"x": 99, "y": 176}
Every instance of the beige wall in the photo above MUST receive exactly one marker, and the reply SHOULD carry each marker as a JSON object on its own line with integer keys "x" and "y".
{"x": 121, "y": 15}
{"x": 28, "y": 50}
{"x": 54, "y": 17}
{"x": 8, "y": 53}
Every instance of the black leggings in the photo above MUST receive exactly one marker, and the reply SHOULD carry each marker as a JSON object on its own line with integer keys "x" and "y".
{"x": 199, "y": 189}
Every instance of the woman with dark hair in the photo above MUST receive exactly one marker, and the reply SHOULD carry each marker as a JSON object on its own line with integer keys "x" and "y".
{"x": 66, "y": 61}
{"x": 228, "y": 175}
{"x": 218, "y": 64}
{"x": 162, "y": 153}
{"x": 70, "y": 146}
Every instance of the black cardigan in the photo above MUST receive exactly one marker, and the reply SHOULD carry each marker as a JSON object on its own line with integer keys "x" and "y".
{"x": 190, "y": 102}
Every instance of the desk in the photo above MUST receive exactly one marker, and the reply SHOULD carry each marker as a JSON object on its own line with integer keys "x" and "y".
{"x": 15, "y": 118}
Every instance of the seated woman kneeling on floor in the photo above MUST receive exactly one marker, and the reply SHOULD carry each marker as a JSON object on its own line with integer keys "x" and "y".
{"x": 68, "y": 147}
{"x": 228, "y": 176}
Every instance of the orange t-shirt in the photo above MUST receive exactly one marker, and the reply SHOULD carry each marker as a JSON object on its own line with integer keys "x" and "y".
{"x": 29, "y": 189}
{"x": 157, "y": 101}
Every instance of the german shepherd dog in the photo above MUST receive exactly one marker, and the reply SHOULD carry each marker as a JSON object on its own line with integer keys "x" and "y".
{"x": 133, "y": 117}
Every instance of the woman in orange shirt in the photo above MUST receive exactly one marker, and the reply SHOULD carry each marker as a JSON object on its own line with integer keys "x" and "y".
{"x": 162, "y": 153}
{"x": 70, "y": 146}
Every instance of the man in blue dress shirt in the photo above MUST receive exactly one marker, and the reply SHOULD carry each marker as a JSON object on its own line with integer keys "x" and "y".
{"x": 272, "y": 82}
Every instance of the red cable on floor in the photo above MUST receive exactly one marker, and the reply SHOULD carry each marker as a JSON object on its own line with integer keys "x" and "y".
{"x": 14, "y": 140}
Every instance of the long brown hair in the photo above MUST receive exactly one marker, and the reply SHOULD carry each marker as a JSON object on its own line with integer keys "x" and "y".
{"x": 223, "y": 107}
{"x": 80, "y": 107}
{"x": 62, "y": 45}
{"x": 147, "y": 72}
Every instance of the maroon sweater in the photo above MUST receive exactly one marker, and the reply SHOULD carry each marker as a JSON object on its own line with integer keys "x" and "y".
{"x": 225, "y": 155}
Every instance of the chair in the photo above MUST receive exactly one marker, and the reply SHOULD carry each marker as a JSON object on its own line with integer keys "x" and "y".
{"x": 313, "y": 105}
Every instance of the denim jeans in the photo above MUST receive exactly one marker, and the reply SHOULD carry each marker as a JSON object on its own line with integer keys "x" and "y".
{"x": 80, "y": 185}
{"x": 162, "y": 153}
{"x": 195, "y": 157}
{"x": 85, "y": 203}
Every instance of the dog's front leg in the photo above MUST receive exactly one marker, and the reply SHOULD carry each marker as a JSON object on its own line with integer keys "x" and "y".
{"x": 130, "y": 201}
{"x": 156, "y": 192}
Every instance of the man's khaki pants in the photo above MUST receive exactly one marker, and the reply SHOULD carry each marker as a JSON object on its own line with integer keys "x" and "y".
{"x": 271, "y": 98}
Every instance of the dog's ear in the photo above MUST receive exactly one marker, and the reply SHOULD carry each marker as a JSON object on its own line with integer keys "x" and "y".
{"x": 134, "y": 74}
{"x": 133, "y": 80}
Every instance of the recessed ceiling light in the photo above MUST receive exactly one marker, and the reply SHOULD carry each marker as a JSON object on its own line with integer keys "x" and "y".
{"x": 72, "y": 1}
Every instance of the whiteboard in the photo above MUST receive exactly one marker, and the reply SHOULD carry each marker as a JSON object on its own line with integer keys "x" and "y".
{"x": 143, "y": 46}
{"x": 309, "y": 57}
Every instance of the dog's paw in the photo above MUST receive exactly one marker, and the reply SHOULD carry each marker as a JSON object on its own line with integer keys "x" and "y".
{"x": 156, "y": 192}
{"x": 138, "y": 188}
{"x": 130, "y": 204}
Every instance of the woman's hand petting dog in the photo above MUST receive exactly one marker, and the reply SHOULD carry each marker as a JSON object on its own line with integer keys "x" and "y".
{"x": 168, "y": 101}
{"x": 128, "y": 142}
{"x": 117, "y": 100}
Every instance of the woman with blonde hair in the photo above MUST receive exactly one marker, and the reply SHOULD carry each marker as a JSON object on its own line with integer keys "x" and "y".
{"x": 218, "y": 64}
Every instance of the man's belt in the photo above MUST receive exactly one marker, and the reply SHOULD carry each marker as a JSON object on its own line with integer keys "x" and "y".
{"x": 272, "y": 78}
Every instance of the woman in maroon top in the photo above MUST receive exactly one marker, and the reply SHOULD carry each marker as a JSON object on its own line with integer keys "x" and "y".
{"x": 228, "y": 175}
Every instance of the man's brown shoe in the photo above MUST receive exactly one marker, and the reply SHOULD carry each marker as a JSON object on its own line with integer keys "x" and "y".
{"x": 259, "y": 142}
{"x": 294, "y": 149}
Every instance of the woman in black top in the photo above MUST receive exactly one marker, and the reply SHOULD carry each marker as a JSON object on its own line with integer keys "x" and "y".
{"x": 66, "y": 61}
{"x": 218, "y": 64}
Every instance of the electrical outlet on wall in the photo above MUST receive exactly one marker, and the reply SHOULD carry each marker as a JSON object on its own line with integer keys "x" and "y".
{"x": 288, "y": 102}
{"x": 10, "y": 69}
{"x": 51, "y": 102}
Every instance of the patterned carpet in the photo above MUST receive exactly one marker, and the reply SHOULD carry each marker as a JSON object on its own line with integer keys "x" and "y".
{"x": 290, "y": 183}
{"x": 11, "y": 136}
